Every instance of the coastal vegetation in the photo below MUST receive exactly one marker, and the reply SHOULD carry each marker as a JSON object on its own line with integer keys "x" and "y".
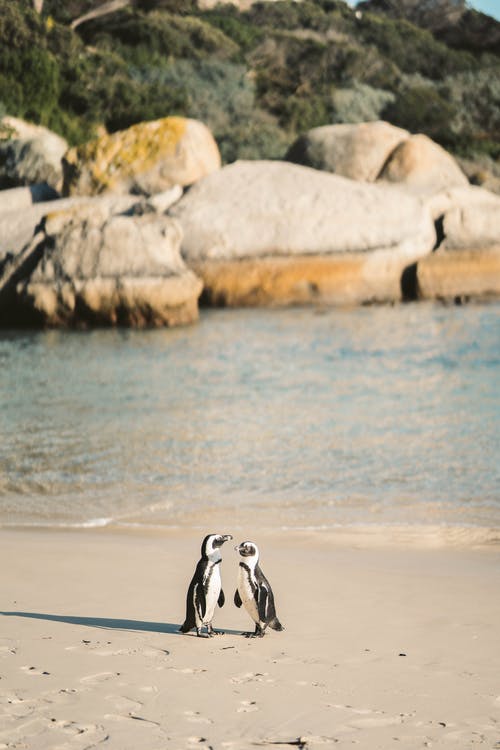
{"x": 257, "y": 77}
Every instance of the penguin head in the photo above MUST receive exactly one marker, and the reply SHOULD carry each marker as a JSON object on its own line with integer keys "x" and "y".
{"x": 210, "y": 548}
{"x": 248, "y": 550}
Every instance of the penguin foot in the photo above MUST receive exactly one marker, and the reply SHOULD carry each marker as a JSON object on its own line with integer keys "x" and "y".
{"x": 211, "y": 631}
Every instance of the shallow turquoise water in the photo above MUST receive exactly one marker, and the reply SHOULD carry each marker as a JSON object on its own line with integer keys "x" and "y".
{"x": 378, "y": 415}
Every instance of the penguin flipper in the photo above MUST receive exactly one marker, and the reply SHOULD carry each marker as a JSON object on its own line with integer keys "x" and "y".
{"x": 221, "y": 599}
{"x": 200, "y": 601}
{"x": 237, "y": 598}
{"x": 262, "y": 603}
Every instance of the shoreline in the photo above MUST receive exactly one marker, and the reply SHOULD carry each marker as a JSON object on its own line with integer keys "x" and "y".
{"x": 366, "y": 536}
{"x": 380, "y": 645}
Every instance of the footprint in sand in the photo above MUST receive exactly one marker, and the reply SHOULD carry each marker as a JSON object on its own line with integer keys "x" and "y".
{"x": 90, "y": 734}
{"x": 251, "y": 677}
{"x": 154, "y": 652}
{"x": 64, "y": 696}
{"x": 95, "y": 679}
{"x": 367, "y": 718}
{"x": 18, "y": 708}
{"x": 196, "y": 718}
{"x": 148, "y": 688}
{"x": 247, "y": 707}
{"x": 124, "y": 704}
{"x": 116, "y": 652}
{"x": 374, "y": 722}
{"x": 75, "y": 728}
{"x": 17, "y": 734}
{"x": 304, "y": 683}
{"x": 34, "y": 671}
{"x": 186, "y": 670}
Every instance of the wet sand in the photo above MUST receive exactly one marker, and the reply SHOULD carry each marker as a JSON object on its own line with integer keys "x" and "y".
{"x": 385, "y": 646}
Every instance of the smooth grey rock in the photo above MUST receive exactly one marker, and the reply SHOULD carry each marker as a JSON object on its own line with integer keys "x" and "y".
{"x": 423, "y": 166}
{"x": 31, "y": 155}
{"x": 17, "y": 226}
{"x": 99, "y": 268}
{"x": 18, "y": 198}
{"x": 358, "y": 151}
{"x": 467, "y": 263}
{"x": 255, "y": 211}
{"x": 470, "y": 217}
{"x": 251, "y": 209}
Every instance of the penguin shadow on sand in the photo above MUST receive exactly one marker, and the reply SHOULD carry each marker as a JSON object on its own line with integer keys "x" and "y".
{"x": 107, "y": 623}
{"x": 110, "y": 623}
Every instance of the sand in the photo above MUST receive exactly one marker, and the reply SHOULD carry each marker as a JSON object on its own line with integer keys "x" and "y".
{"x": 384, "y": 647}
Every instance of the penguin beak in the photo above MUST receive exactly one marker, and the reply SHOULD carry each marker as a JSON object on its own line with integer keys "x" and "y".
{"x": 237, "y": 548}
{"x": 226, "y": 538}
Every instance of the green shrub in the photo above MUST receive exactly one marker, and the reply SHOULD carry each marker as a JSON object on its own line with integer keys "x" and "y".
{"x": 412, "y": 49}
{"x": 29, "y": 73}
{"x": 156, "y": 33}
{"x": 475, "y": 97}
{"x": 420, "y": 109}
{"x": 235, "y": 26}
{"x": 360, "y": 103}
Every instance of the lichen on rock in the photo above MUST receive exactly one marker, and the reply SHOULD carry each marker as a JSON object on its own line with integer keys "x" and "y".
{"x": 147, "y": 158}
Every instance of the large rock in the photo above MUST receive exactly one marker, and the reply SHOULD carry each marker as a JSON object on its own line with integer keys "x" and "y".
{"x": 30, "y": 154}
{"x": 422, "y": 165}
{"x": 277, "y": 233}
{"x": 21, "y": 217}
{"x": 467, "y": 262}
{"x": 471, "y": 220}
{"x": 459, "y": 275}
{"x": 147, "y": 158}
{"x": 17, "y": 199}
{"x": 358, "y": 151}
{"x": 93, "y": 267}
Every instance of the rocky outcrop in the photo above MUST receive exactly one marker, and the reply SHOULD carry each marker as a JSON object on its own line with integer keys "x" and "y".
{"x": 371, "y": 151}
{"x": 17, "y": 199}
{"x": 147, "y": 158}
{"x": 470, "y": 217}
{"x": 278, "y": 233}
{"x": 29, "y": 154}
{"x": 87, "y": 266}
{"x": 459, "y": 275}
{"x": 358, "y": 151}
{"x": 467, "y": 262}
{"x": 19, "y": 222}
{"x": 422, "y": 165}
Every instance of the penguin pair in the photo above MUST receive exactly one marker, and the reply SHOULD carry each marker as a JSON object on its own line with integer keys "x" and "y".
{"x": 205, "y": 590}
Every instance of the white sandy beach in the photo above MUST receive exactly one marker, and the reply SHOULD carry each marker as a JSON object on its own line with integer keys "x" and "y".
{"x": 386, "y": 646}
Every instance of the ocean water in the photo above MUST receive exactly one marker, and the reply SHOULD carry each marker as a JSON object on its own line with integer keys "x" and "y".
{"x": 378, "y": 417}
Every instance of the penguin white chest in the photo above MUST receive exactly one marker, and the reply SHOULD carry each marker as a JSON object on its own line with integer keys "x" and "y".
{"x": 246, "y": 587}
{"x": 212, "y": 585}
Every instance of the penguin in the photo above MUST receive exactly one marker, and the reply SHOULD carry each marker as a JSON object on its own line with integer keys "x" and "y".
{"x": 205, "y": 589}
{"x": 254, "y": 591}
